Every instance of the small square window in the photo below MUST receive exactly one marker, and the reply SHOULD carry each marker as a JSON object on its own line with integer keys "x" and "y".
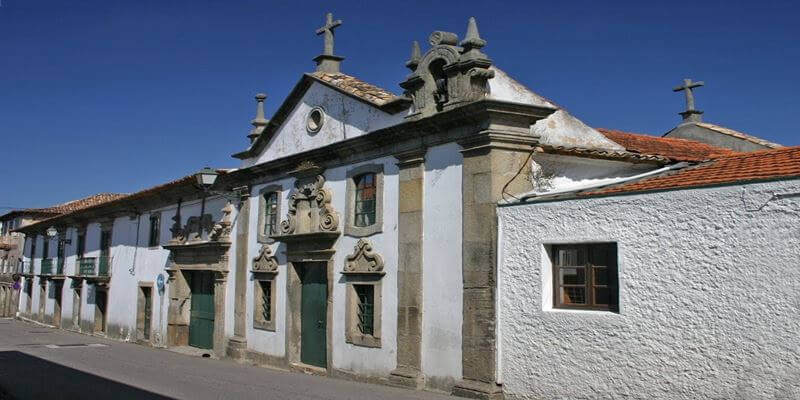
{"x": 585, "y": 276}
{"x": 365, "y": 309}
{"x": 364, "y": 312}
{"x": 264, "y": 307}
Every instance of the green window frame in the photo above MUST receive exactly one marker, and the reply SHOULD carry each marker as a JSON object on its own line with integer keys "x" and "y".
{"x": 365, "y": 199}
{"x": 81, "y": 245}
{"x": 155, "y": 230}
{"x": 585, "y": 276}
{"x": 365, "y": 311}
{"x": 33, "y": 248}
{"x": 266, "y": 300}
{"x": 270, "y": 213}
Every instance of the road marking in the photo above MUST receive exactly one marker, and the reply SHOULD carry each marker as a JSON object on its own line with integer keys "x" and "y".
{"x": 66, "y": 346}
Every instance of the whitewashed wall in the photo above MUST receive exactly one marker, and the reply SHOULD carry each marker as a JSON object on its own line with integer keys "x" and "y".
{"x": 362, "y": 360}
{"x": 709, "y": 285}
{"x": 133, "y": 262}
{"x": 559, "y": 172}
{"x": 442, "y": 277}
{"x": 345, "y": 118}
{"x": 272, "y": 343}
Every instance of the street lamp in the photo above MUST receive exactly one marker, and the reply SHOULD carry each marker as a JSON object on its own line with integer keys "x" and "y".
{"x": 206, "y": 178}
{"x": 52, "y": 232}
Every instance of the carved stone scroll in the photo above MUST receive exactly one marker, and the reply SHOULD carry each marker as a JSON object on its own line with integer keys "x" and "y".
{"x": 222, "y": 229}
{"x": 310, "y": 208}
{"x": 363, "y": 260}
{"x": 265, "y": 261}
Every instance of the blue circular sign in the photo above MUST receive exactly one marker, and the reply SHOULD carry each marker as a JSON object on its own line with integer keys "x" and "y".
{"x": 160, "y": 282}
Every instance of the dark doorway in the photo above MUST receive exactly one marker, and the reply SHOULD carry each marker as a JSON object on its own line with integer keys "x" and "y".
{"x": 57, "y": 285}
{"x": 201, "y": 323}
{"x": 144, "y": 313}
{"x": 314, "y": 314}
{"x": 100, "y": 305}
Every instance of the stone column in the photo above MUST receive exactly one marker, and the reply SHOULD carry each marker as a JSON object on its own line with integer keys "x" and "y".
{"x": 488, "y": 166}
{"x": 409, "y": 270}
{"x": 237, "y": 345}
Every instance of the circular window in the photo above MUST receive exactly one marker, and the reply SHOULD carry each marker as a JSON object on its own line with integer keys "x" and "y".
{"x": 316, "y": 118}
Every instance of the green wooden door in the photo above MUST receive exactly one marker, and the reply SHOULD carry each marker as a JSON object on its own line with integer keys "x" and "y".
{"x": 314, "y": 311}
{"x": 201, "y": 324}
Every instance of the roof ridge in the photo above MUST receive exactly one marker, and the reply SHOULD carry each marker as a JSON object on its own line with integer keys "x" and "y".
{"x": 738, "y": 134}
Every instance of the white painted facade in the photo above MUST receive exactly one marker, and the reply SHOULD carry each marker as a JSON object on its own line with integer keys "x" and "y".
{"x": 345, "y": 118}
{"x": 132, "y": 263}
{"x": 708, "y": 295}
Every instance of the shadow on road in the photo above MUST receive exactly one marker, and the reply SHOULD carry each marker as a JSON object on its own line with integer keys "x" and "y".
{"x": 26, "y": 377}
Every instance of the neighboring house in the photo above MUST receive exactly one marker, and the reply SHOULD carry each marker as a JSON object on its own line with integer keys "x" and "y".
{"x": 359, "y": 237}
{"x": 12, "y": 244}
{"x": 682, "y": 284}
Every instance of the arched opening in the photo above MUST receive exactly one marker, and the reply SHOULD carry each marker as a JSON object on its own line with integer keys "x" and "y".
{"x": 436, "y": 68}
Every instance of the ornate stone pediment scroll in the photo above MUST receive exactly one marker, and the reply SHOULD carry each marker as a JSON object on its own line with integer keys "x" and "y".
{"x": 450, "y": 73}
{"x": 222, "y": 229}
{"x": 364, "y": 260}
{"x": 196, "y": 226}
{"x": 310, "y": 208}
{"x": 265, "y": 261}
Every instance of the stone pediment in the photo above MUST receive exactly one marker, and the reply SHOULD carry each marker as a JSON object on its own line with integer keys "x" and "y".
{"x": 364, "y": 260}
{"x": 450, "y": 73}
{"x": 265, "y": 262}
{"x": 310, "y": 210}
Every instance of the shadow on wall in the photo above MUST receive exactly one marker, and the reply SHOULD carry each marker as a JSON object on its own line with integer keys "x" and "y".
{"x": 23, "y": 381}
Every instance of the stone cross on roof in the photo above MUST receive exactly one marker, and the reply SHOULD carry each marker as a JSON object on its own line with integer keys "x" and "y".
{"x": 690, "y": 115}
{"x": 327, "y": 30}
{"x": 327, "y": 62}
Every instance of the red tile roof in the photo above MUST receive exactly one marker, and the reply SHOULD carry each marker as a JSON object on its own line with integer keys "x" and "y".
{"x": 356, "y": 87}
{"x": 770, "y": 164}
{"x": 672, "y": 148}
{"x": 69, "y": 206}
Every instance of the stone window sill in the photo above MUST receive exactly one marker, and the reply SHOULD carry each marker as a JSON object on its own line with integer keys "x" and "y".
{"x": 358, "y": 339}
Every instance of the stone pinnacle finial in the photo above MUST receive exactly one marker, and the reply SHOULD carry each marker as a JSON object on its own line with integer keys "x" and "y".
{"x": 259, "y": 122}
{"x": 691, "y": 114}
{"x": 413, "y": 62}
{"x": 473, "y": 38}
{"x": 327, "y": 62}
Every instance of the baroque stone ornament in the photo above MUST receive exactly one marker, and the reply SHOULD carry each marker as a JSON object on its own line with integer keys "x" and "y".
{"x": 265, "y": 261}
{"x": 364, "y": 260}
{"x": 449, "y": 74}
{"x": 222, "y": 229}
{"x": 310, "y": 208}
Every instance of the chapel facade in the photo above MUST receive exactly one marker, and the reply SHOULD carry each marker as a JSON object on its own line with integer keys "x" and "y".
{"x": 359, "y": 237}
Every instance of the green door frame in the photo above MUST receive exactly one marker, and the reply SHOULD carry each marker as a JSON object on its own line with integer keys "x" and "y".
{"x": 201, "y": 321}
{"x": 314, "y": 314}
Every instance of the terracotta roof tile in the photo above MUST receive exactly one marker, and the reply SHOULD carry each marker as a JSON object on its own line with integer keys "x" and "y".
{"x": 70, "y": 206}
{"x": 113, "y": 200}
{"x": 671, "y": 148}
{"x": 356, "y": 87}
{"x": 740, "y": 167}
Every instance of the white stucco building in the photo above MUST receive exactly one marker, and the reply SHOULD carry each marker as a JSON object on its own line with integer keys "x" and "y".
{"x": 360, "y": 237}
{"x": 706, "y": 279}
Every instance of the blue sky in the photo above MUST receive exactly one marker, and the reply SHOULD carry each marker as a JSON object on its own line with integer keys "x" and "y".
{"x": 116, "y": 96}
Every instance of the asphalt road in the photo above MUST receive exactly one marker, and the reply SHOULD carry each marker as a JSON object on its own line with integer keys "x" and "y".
{"x": 43, "y": 363}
